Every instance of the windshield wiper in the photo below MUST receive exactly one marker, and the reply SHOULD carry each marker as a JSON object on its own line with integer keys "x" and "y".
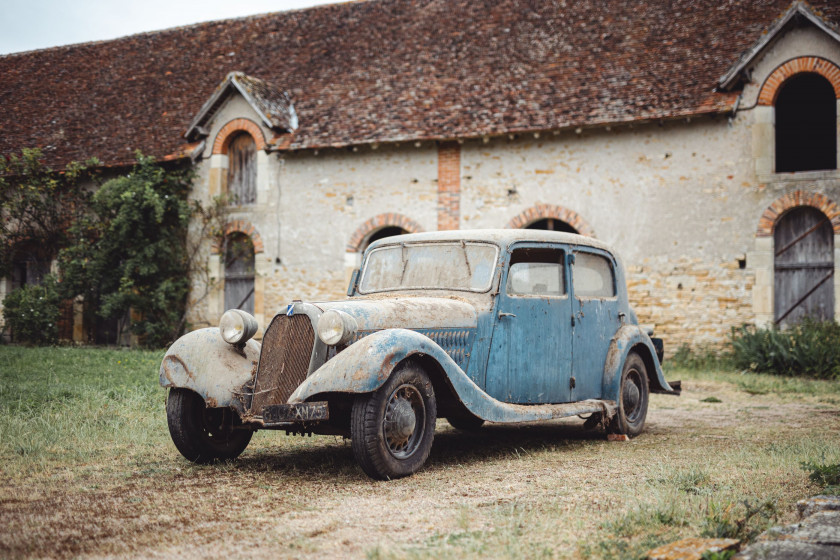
{"x": 466, "y": 258}
{"x": 404, "y": 263}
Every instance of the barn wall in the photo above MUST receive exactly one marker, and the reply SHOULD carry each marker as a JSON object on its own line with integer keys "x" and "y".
{"x": 680, "y": 201}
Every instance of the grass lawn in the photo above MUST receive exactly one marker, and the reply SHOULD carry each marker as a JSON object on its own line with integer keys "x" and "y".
{"x": 88, "y": 469}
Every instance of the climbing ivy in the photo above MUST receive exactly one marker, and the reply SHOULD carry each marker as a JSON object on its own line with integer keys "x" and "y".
{"x": 129, "y": 253}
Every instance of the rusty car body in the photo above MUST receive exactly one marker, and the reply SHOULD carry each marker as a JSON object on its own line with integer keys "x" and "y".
{"x": 503, "y": 326}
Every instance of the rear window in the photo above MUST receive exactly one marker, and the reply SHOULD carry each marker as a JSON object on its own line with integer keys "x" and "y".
{"x": 592, "y": 276}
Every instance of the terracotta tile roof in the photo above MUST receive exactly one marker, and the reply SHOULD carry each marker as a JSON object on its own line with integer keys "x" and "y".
{"x": 389, "y": 70}
{"x": 275, "y": 107}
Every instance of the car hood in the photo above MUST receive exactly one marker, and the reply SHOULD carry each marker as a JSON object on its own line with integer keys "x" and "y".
{"x": 406, "y": 312}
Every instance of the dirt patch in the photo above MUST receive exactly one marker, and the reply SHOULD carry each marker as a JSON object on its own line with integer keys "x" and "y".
{"x": 538, "y": 489}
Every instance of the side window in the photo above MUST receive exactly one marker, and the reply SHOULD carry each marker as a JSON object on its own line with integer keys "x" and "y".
{"x": 536, "y": 272}
{"x": 242, "y": 169}
{"x": 592, "y": 276}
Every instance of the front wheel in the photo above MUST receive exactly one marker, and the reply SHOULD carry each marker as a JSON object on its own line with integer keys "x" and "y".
{"x": 632, "y": 399}
{"x": 203, "y": 434}
{"x": 392, "y": 428}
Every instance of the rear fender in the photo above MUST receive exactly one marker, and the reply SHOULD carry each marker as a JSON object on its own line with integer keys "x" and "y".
{"x": 628, "y": 338}
{"x": 203, "y": 362}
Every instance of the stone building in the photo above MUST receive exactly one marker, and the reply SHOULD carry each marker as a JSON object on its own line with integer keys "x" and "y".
{"x": 697, "y": 138}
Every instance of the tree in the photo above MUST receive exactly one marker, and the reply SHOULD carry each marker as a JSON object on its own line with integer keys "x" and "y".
{"x": 38, "y": 204}
{"x": 130, "y": 253}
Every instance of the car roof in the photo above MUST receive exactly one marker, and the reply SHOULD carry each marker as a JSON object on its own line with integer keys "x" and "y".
{"x": 501, "y": 237}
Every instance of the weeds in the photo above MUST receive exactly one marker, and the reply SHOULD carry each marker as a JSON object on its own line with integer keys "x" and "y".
{"x": 718, "y": 554}
{"x": 700, "y": 359}
{"x": 727, "y": 522}
{"x": 809, "y": 348}
{"x": 825, "y": 476}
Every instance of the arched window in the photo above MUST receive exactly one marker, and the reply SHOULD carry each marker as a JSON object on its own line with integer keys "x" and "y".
{"x": 806, "y": 124}
{"x": 382, "y": 233}
{"x": 239, "y": 272}
{"x": 242, "y": 169}
{"x": 552, "y": 224}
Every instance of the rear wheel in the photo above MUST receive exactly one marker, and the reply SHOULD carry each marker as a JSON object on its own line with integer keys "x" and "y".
{"x": 633, "y": 398}
{"x": 204, "y": 434}
{"x": 392, "y": 428}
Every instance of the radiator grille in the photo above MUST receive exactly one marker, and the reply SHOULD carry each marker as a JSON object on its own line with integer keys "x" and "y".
{"x": 284, "y": 360}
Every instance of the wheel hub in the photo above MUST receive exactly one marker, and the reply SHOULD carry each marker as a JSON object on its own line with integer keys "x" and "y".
{"x": 631, "y": 397}
{"x": 404, "y": 419}
{"x": 401, "y": 419}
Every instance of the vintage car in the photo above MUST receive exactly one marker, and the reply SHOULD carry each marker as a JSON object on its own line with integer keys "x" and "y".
{"x": 501, "y": 326}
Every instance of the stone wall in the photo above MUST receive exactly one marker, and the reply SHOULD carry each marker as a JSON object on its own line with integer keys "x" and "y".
{"x": 681, "y": 201}
{"x": 690, "y": 302}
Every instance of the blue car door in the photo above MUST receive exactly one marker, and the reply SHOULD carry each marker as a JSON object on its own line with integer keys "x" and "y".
{"x": 531, "y": 349}
{"x": 596, "y": 319}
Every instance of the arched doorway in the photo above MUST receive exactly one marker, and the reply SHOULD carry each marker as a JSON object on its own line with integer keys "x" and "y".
{"x": 388, "y": 231}
{"x": 806, "y": 124}
{"x": 239, "y": 272}
{"x": 552, "y": 224}
{"x": 803, "y": 266}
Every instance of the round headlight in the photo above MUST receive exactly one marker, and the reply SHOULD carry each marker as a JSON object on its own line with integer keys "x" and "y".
{"x": 336, "y": 327}
{"x": 237, "y": 326}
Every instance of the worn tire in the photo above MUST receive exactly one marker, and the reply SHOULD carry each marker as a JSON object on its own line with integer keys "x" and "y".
{"x": 633, "y": 398}
{"x": 203, "y": 434}
{"x": 392, "y": 428}
{"x": 466, "y": 422}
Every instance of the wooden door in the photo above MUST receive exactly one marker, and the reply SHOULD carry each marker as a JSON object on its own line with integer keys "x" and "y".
{"x": 804, "y": 266}
{"x": 239, "y": 273}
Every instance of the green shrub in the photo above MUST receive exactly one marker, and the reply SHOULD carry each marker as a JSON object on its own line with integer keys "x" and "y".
{"x": 810, "y": 348}
{"x": 699, "y": 358}
{"x": 31, "y": 313}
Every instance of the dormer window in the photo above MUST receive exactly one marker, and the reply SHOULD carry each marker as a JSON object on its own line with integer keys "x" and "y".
{"x": 806, "y": 124}
{"x": 242, "y": 169}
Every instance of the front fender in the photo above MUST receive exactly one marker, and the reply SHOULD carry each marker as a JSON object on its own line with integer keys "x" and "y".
{"x": 203, "y": 362}
{"x": 365, "y": 365}
{"x": 625, "y": 340}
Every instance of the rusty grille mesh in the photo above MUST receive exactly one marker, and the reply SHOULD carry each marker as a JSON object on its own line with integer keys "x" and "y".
{"x": 284, "y": 360}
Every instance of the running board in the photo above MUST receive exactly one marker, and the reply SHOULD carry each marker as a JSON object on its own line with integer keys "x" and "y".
{"x": 514, "y": 413}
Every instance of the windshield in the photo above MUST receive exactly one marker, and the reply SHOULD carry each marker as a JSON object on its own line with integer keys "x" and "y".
{"x": 446, "y": 266}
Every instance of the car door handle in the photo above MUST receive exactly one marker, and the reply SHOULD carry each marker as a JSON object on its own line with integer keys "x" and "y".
{"x": 503, "y": 314}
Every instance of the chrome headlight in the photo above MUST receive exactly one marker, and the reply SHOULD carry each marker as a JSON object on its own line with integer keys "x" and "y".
{"x": 336, "y": 327}
{"x": 237, "y": 326}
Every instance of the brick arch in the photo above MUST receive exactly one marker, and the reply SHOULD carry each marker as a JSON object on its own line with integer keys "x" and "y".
{"x": 542, "y": 211}
{"x": 240, "y": 226}
{"x": 792, "y": 200}
{"x": 226, "y": 134}
{"x": 391, "y": 219}
{"x": 825, "y": 68}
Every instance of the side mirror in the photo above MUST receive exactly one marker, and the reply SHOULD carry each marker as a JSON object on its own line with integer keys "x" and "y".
{"x": 351, "y": 289}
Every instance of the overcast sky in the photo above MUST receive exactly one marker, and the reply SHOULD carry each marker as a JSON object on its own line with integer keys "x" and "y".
{"x": 36, "y": 24}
